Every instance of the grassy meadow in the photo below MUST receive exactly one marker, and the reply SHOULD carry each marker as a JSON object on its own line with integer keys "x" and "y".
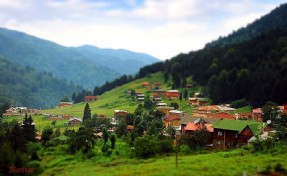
{"x": 233, "y": 162}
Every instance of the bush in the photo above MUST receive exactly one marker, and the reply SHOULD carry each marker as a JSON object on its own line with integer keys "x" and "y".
{"x": 239, "y": 103}
{"x": 146, "y": 146}
{"x": 185, "y": 149}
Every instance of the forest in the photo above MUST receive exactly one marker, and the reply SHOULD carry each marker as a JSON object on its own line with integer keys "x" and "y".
{"x": 23, "y": 86}
{"x": 250, "y": 63}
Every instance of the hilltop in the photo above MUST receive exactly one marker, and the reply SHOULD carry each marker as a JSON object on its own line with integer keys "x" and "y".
{"x": 86, "y": 66}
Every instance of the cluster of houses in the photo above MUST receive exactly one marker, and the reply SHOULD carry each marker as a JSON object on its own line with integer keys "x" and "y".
{"x": 226, "y": 127}
{"x": 86, "y": 100}
{"x": 19, "y": 111}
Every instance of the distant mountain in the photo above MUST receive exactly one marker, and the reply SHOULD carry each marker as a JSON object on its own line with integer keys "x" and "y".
{"x": 86, "y": 66}
{"x": 118, "y": 60}
{"x": 23, "y": 86}
{"x": 277, "y": 18}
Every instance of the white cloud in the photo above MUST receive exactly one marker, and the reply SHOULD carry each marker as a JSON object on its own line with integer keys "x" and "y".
{"x": 163, "y": 28}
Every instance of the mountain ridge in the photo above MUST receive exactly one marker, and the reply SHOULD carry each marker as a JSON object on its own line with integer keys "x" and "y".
{"x": 70, "y": 63}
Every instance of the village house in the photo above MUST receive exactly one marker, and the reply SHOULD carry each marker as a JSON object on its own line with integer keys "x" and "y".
{"x": 158, "y": 93}
{"x": 172, "y": 94}
{"x": 157, "y": 86}
{"x": 173, "y": 118}
{"x": 156, "y": 99}
{"x": 140, "y": 97}
{"x": 257, "y": 114}
{"x": 74, "y": 121}
{"x": 90, "y": 98}
{"x": 245, "y": 116}
{"x": 195, "y": 101}
{"x": 198, "y": 125}
{"x": 120, "y": 113}
{"x": 233, "y": 133}
{"x": 65, "y": 104}
{"x": 165, "y": 109}
{"x": 202, "y": 111}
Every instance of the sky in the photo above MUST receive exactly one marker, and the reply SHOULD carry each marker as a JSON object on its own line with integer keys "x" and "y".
{"x": 161, "y": 28}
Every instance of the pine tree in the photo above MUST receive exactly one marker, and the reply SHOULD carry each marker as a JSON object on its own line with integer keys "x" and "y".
{"x": 87, "y": 113}
{"x": 29, "y": 129}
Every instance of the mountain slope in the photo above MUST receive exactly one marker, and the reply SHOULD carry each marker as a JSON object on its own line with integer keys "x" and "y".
{"x": 118, "y": 60}
{"x": 23, "y": 86}
{"x": 83, "y": 67}
{"x": 254, "y": 69}
{"x": 277, "y": 18}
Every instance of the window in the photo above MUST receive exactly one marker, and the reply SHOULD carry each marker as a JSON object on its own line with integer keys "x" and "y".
{"x": 219, "y": 133}
{"x": 236, "y": 135}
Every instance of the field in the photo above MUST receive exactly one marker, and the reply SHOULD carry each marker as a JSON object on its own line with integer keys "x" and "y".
{"x": 118, "y": 99}
{"x": 233, "y": 162}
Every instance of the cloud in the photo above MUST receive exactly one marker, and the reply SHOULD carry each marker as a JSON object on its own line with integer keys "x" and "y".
{"x": 163, "y": 28}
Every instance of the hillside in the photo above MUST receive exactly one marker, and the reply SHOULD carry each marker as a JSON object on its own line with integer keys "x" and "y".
{"x": 113, "y": 99}
{"x": 277, "y": 18}
{"x": 85, "y": 66}
{"x": 118, "y": 60}
{"x": 254, "y": 69}
{"x": 23, "y": 86}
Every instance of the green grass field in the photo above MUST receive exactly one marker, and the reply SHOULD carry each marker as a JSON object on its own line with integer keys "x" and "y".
{"x": 233, "y": 162}
{"x": 117, "y": 99}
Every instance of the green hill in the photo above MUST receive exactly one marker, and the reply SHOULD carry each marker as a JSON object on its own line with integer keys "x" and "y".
{"x": 86, "y": 66}
{"x": 23, "y": 86}
{"x": 118, "y": 99}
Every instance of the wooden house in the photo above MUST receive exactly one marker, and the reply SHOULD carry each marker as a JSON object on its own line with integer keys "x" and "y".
{"x": 202, "y": 111}
{"x": 74, "y": 121}
{"x": 158, "y": 93}
{"x": 233, "y": 133}
{"x": 118, "y": 113}
{"x": 65, "y": 104}
{"x": 173, "y": 118}
{"x": 165, "y": 109}
{"x": 90, "y": 98}
{"x": 172, "y": 94}
{"x": 195, "y": 101}
{"x": 257, "y": 114}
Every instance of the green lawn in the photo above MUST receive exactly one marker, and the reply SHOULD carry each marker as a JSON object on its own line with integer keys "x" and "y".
{"x": 234, "y": 162}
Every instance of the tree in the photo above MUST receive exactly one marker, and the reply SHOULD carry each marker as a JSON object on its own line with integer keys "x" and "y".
{"x": 199, "y": 137}
{"x": 185, "y": 94}
{"x": 113, "y": 141}
{"x": 148, "y": 104}
{"x": 46, "y": 134}
{"x": 122, "y": 128}
{"x": 105, "y": 135}
{"x": 175, "y": 105}
{"x": 87, "y": 113}
{"x": 17, "y": 139}
{"x": 65, "y": 99}
{"x": 29, "y": 129}
{"x": 270, "y": 111}
{"x": 280, "y": 126}
{"x": 83, "y": 140}
{"x": 146, "y": 146}
{"x": 4, "y": 107}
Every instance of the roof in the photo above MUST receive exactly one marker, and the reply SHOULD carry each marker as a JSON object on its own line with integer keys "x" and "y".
{"x": 192, "y": 126}
{"x": 120, "y": 110}
{"x": 173, "y": 91}
{"x": 175, "y": 111}
{"x": 215, "y": 108}
{"x": 171, "y": 118}
{"x": 187, "y": 118}
{"x": 257, "y": 110}
{"x": 237, "y": 125}
{"x": 220, "y": 115}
